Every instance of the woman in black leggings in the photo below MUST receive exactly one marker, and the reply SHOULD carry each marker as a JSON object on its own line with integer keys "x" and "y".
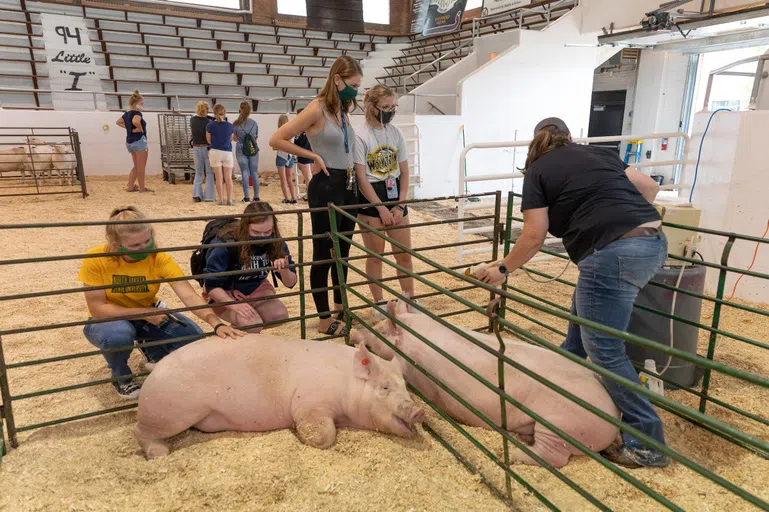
{"x": 327, "y": 124}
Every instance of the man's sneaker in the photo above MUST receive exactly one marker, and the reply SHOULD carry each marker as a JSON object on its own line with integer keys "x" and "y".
{"x": 378, "y": 316}
{"x": 644, "y": 458}
{"x": 127, "y": 389}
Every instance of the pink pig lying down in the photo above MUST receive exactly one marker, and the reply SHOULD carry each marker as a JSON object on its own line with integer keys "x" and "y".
{"x": 259, "y": 383}
{"x": 576, "y": 421}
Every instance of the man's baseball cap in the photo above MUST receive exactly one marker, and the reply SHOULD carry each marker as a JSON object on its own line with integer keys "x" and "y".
{"x": 553, "y": 121}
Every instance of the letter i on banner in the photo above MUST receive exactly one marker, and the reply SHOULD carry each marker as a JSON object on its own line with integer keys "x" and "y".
{"x": 72, "y": 64}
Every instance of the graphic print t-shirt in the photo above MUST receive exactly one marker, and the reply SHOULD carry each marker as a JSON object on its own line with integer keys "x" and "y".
{"x": 218, "y": 260}
{"x": 127, "y": 276}
{"x": 381, "y": 151}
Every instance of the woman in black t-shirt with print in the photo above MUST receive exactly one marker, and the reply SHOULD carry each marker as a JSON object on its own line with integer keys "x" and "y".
{"x": 136, "y": 141}
{"x": 602, "y": 210}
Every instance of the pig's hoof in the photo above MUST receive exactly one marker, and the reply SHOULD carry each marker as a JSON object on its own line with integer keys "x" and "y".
{"x": 157, "y": 451}
{"x": 319, "y": 433}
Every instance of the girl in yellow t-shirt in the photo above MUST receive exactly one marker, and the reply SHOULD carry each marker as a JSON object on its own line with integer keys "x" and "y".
{"x": 131, "y": 294}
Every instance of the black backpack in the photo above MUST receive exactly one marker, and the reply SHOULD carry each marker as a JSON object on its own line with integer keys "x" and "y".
{"x": 198, "y": 258}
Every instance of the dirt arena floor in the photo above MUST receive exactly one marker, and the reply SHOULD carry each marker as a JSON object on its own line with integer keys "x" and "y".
{"x": 95, "y": 464}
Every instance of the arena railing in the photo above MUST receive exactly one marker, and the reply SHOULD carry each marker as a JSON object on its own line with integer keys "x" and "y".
{"x": 14, "y": 137}
{"x": 498, "y": 324}
{"x": 465, "y": 179}
{"x": 8, "y": 399}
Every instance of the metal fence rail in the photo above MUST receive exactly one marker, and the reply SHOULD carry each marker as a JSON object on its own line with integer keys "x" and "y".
{"x": 515, "y": 176}
{"x": 538, "y": 310}
{"x": 8, "y": 399}
{"x": 549, "y": 312}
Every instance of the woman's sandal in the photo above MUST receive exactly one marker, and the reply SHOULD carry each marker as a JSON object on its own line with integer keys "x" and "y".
{"x": 340, "y": 317}
{"x": 332, "y": 329}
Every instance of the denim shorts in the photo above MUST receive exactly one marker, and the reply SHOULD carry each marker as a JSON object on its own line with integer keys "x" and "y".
{"x": 282, "y": 162}
{"x": 138, "y": 146}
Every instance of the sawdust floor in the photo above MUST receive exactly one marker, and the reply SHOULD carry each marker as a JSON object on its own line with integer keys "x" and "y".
{"x": 95, "y": 464}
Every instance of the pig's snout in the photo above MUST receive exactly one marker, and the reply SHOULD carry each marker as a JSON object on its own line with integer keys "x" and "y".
{"x": 417, "y": 416}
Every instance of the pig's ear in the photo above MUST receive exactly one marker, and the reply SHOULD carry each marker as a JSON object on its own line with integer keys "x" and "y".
{"x": 365, "y": 364}
{"x": 395, "y": 310}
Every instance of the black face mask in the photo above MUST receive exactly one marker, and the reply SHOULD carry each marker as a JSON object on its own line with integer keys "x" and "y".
{"x": 385, "y": 117}
{"x": 266, "y": 237}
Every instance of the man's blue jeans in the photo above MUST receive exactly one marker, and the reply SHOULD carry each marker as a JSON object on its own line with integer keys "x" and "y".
{"x": 609, "y": 282}
{"x": 249, "y": 166}
{"x": 122, "y": 333}
{"x": 202, "y": 165}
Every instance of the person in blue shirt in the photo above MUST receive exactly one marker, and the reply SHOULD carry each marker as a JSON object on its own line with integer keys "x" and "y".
{"x": 258, "y": 224}
{"x": 219, "y": 135}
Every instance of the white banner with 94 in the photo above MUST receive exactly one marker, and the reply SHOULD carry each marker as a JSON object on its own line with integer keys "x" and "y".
{"x": 71, "y": 64}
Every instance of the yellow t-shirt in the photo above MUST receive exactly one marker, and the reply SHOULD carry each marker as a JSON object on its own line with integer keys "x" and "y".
{"x": 116, "y": 271}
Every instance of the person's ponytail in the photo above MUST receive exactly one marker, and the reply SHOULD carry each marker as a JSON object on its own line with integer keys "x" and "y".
{"x": 546, "y": 140}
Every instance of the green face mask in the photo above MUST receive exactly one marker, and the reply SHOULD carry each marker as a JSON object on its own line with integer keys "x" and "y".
{"x": 142, "y": 255}
{"x": 348, "y": 93}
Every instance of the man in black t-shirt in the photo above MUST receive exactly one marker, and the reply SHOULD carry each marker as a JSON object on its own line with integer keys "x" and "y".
{"x": 602, "y": 210}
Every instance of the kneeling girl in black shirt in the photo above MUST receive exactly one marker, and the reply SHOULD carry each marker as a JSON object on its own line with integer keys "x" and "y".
{"x": 263, "y": 226}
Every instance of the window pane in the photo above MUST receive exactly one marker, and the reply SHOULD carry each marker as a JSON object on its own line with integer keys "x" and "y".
{"x": 229, "y": 4}
{"x": 376, "y": 11}
{"x": 295, "y": 7}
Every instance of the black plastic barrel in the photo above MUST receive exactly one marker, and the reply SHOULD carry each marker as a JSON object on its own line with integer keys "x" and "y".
{"x": 657, "y": 328}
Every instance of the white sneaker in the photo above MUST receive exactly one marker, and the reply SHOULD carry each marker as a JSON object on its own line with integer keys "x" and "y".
{"x": 378, "y": 315}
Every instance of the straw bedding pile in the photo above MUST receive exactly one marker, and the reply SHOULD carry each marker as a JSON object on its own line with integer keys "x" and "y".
{"x": 95, "y": 464}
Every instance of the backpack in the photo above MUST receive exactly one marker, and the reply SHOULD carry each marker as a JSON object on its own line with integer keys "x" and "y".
{"x": 198, "y": 258}
{"x": 249, "y": 145}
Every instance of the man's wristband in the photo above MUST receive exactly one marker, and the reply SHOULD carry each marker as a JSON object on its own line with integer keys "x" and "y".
{"x": 216, "y": 327}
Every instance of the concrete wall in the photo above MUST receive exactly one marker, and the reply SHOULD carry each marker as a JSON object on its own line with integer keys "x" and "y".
{"x": 658, "y": 103}
{"x": 731, "y": 191}
{"x": 105, "y": 153}
{"x": 444, "y": 83}
{"x": 449, "y": 80}
{"x": 519, "y": 88}
{"x": 441, "y": 145}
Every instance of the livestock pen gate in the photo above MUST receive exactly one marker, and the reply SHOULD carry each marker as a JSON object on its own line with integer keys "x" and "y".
{"x": 41, "y": 161}
{"x": 175, "y": 150}
{"x": 730, "y": 432}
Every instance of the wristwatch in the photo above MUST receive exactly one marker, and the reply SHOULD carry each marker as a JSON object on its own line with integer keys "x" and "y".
{"x": 503, "y": 270}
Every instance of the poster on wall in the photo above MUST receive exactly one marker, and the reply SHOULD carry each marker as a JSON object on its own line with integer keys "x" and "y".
{"x": 71, "y": 64}
{"x": 491, "y": 7}
{"x": 418, "y": 15}
{"x": 443, "y": 16}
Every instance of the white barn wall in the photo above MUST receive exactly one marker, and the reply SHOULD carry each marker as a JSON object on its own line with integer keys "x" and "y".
{"x": 538, "y": 79}
{"x": 658, "y": 103}
{"x": 441, "y": 145}
{"x": 105, "y": 153}
{"x": 731, "y": 191}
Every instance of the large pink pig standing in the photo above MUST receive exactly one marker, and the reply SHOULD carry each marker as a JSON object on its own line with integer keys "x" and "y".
{"x": 576, "y": 421}
{"x": 259, "y": 383}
